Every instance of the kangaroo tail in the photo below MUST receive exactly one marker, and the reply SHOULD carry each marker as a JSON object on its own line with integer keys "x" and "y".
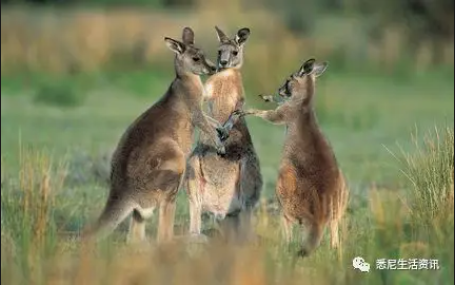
{"x": 115, "y": 211}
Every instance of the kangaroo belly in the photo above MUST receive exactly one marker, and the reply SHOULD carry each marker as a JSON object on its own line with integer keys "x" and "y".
{"x": 221, "y": 202}
{"x": 220, "y": 194}
{"x": 218, "y": 171}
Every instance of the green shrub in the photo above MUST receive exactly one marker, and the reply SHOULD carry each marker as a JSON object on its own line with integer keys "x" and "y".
{"x": 57, "y": 94}
{"x": 430, "y": 170}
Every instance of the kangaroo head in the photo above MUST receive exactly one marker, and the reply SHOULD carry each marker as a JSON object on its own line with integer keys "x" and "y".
{"x": 230, "y": 50}
{"x": 189, "y": 59}
{"x": 301, "y": 84}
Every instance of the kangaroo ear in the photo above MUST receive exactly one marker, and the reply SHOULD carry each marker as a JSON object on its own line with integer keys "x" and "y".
{"x": 307, "y": 67}
{"x": 319, "y": 68}
{"x": 221, "y": 35}
{"x": 242, "y": 35}
{"x": 175, "y": 46}
{"x": 188, "y": 36}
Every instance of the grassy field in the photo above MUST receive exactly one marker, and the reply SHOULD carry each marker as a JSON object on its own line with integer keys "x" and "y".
{"x": 55, "y": 163}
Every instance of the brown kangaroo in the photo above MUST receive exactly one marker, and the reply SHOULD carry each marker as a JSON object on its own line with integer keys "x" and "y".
{"x": 310, "y": 188}
{"x": 228, "y": 186}
{"x": 149, "y": 162}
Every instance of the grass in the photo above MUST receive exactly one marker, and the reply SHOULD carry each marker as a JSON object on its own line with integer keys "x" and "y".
{"x": 432, "y": 181}
{"x": 55, "y": 165}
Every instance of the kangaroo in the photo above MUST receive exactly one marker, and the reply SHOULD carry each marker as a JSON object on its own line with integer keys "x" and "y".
{"x": 227, "y": 186}
{"x": 311, "y": 189}
{"x": 148, "y": 165}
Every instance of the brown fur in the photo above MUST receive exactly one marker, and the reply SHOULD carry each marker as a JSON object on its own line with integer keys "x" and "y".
{"x": 228, "y": 186}
{"x": 310, "y": 188}
{"x": 150, "y": 159}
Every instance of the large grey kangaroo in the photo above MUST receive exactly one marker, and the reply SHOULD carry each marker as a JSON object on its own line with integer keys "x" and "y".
{"x": 310, "y": 188}
{"x": 149, "y": 162}
{"x": 228, "y": 186}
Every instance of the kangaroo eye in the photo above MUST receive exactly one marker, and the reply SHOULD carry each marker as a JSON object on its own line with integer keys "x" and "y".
{"x": 196, "y": 58}
{"x": 235, "y": 53}
{"x": 288, "y": 87}
{"x": 219, "y": 52}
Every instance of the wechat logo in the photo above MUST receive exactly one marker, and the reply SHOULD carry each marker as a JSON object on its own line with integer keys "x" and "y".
{"x": 360, "y": 264}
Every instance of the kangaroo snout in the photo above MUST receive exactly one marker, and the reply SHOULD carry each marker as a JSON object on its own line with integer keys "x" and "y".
{"x": 210, "y": 68}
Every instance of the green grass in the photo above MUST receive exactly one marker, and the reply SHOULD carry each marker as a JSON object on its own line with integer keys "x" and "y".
{"x": 365, "y": 117}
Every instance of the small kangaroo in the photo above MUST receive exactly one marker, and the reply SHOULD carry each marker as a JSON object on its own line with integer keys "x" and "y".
{"x": 228, "y": 186}
{"x": 311, "y": 189}
{"x": 148, "y": 165}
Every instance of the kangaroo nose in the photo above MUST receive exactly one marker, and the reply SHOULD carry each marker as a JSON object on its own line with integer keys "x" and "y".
{"x": 223, "y": 62}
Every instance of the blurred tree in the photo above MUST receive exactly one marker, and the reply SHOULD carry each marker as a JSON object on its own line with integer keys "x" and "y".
{"x": 298, "y": 15}
{"x": 425, "y": 21}
{"x": 106, "y": 3}
{"x": 424, "y": 18}
{"x": 178, "y": 3}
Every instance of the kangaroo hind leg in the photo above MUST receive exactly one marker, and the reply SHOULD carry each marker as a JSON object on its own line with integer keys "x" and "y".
{"x": 137, "y": 225}
{"x": 166, "y": 180}
{"x": 194, "y": 188}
